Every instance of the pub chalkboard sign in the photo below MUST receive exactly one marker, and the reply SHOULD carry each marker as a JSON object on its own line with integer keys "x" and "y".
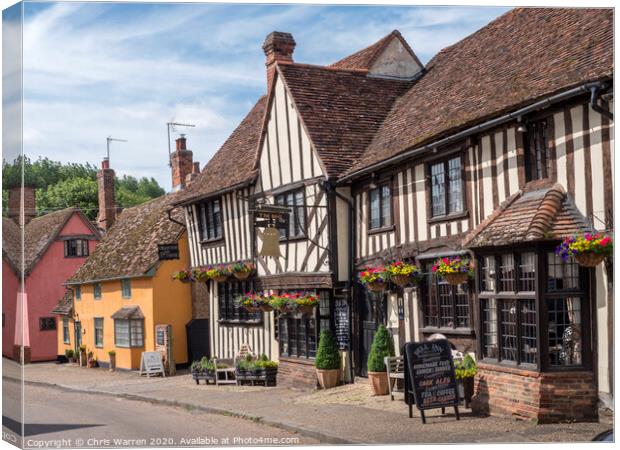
{"x": 341, "y": 314}
{"x": 168, "y": 251}
{"x": 430, "y": 369}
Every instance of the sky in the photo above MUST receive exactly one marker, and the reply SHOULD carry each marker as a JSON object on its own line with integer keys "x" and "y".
{"x": 93, "y": 70}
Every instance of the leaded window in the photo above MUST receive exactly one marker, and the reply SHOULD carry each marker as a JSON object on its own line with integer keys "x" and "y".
{"x": 538, "y": 158}
{"x": 444, "y": 305}
{"x": 296, "y": 201}
{"x": 76, "y": 248}
{"x": 446, "y": 187}
{"x": 47, "y": 323}
{"x": 229, "y": 309}
{"x": 380, "y": 207}
{"x": 297, "y": 336}
{"x": 210, "y": 220}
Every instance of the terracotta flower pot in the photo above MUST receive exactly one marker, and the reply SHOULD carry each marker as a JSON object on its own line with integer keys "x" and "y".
{"x": 251, "y": 309}
{"x": 220, "y": 278}
{"x": 112, "y": 363}
{"x": 401, "y": 280}
{"x": 456, "y": 278}
{"x": 83, "y": 359}
{"x": 241, "y": 275}
{"x": 377, "y": 286}
{"x": 266, "y": 308}
{"x": 468, "y": 388}
{"x": 328, "y": 378}
{"x": 589, "y": 259}
{"x": 379, "y": 382}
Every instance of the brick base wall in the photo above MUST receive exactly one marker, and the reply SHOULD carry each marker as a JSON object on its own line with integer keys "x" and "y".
{"x": 297, "y": 373}
{"x": 544, "y": 397}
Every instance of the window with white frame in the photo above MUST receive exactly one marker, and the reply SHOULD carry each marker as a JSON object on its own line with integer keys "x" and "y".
{"x": 66, "y": 336}
{"x": 126, "y": 288}
{"x": 129, "y": 333}
{"x": 99, "y": 332}
{"x": 97, "y": 291}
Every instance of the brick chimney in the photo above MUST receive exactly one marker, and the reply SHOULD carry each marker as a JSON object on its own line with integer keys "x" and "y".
{"x": 182, "y": 164}
{"x": 189, "y": 179}
{"x": 15, "y": 202}
{"x": 278, "y": 48}
{"x": 107, "y": 201}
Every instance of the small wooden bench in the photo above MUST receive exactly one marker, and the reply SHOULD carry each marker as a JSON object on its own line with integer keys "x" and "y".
{"x": 395, "y": 371}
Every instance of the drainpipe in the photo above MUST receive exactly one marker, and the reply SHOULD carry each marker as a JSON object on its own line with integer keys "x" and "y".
{"x": 594, "y": 91}
{"x": 349, "y": 282}
{"x": 169, "y": 211}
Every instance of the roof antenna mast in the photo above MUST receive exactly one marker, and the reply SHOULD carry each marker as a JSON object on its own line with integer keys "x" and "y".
{"x": 171, "y": 126}
{"x": 110, "y": 139}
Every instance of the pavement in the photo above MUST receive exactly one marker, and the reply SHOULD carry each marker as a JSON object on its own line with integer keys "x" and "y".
{"x": 344, "y": 415}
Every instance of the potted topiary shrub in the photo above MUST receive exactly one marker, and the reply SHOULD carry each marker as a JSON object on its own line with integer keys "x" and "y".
{"x": 382, "y": 346}
{"x": 327, "y": 361}
{"x": 70, "y": 355}
{"x": 465, "y": 372}
{"x": 112, "y": 355}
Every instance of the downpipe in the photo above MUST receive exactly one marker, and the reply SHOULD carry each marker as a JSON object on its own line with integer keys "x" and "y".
{"x": 594, "y": 96}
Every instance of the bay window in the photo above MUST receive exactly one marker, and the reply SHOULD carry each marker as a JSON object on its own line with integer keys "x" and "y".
{"x": 532, "y": 310}
{"x": 129, "y": 333}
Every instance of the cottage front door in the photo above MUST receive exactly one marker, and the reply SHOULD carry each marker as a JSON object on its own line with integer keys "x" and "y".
{"x": 372, "y": 313}
{"x": 77, "y": 327}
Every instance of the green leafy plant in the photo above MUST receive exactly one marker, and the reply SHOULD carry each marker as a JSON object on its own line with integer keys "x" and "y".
{"x": 466, "y": 368}
{"x": 112, "y": 353}
{"x": 327, "y": 355}
{"x": 182, "y": 275}
{"x": 69, "y": 354}
{"x": 242, "y": 267}
{"x": 266, "y": 364}
{"x": 382, "y": 346}
{"x": 82, "y": 348}
{"x": 281, "y": 303}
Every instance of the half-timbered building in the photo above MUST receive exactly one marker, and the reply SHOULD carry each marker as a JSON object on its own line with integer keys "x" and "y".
{"x": 497, "y": 148}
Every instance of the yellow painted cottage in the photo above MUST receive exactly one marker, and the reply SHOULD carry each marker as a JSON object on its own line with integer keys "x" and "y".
{"x": 124, "y": 298}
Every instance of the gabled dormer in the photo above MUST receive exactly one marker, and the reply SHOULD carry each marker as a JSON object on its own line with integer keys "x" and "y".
{"x": 390, "y": 57}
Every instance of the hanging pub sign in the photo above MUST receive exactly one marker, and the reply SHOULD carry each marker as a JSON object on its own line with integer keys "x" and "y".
{"x": 271, "y": 216}
{"x": 429, "y": 374}
{"x": 168, "y": 251}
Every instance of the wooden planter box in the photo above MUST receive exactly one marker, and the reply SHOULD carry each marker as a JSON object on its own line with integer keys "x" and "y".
{"x": 266, "y": 376}
{"x": 207, "y": 376}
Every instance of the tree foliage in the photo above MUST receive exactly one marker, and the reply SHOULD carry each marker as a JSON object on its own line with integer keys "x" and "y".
{"x": 62, "y": 185}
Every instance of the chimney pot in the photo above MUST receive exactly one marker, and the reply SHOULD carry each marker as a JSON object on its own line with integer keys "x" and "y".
{"x": 182, "y": 164}
{"x": 181, "y": 143}
{"x": 107, "y": 201}
{"x": 196, "y": 168}
{"x": 278, "y": 47}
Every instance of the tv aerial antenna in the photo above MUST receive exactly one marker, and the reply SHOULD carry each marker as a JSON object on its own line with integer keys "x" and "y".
{"x": 172, "y": 126}
{"x": 111, "y": 139}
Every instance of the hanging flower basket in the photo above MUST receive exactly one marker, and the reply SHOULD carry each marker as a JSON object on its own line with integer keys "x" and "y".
{"x": 402, "y": 273}
{"x": 376, "y": 286}
{"x": 200, "y": 275}
{"x": 281, "y": 303}
{"x": 266, "y": 308}
{"x": 184, "y": 276}
{"x": 456, "y": 278}
{"x": 588, "y": 249}
{"x": 589, "y": 259}
{"x": 374, "y": 278}
{"x": 306, "y": 302}
{"x": 220, "y": 278}
{"x": 455, "y": 270}
{"x": 252, "y": 302}
{"x": 218, "y": 274}
{"x": 242, "y": 270}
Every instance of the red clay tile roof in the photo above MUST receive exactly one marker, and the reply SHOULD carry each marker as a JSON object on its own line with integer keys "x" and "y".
{"x": 341, "y": 109}
{"x": 233, "y": 163}
{"x": 524, "y": 55}
{"x": 64, "y": 306}
{"x": 130, "y": 247}
{"x": 365, "y": 58}
{"x": 11, "y": 243}
{"x": 128, "y": 312}
{"x": 38, "y": 235}
{"x": 533, "y": 214}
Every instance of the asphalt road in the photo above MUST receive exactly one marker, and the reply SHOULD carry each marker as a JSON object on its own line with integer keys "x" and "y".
{"x": 59, "y": 419}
